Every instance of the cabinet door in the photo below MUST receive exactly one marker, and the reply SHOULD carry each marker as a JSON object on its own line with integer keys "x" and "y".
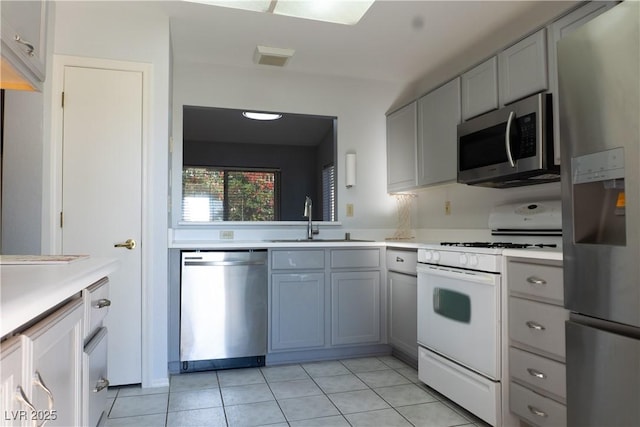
{"x": 559, "y": 29}
{"x": 401, "y": 148}
{"x": 57, "y": 362}
{"x": 13, "y": 392}
{"x": 297, "y": 310}
{"x": 403, "y": 309}
{"x": 355, "y": 307}
{"x": 523, "y": 68}
{"x": 480, "y": 89}
{"x": 26, "y": 21}
{"x": 438, "y": 117}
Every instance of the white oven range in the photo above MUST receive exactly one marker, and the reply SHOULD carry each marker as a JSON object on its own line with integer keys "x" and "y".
{"x": 462, "y": 313}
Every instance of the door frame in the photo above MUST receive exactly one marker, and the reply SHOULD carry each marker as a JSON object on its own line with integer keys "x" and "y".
{"x": 52, "y": 232}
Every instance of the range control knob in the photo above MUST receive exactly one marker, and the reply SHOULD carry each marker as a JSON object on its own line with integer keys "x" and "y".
{"x": 473, "y": 260}
{"x": 436, "y": 256}
{"x": 463, "y": 259}
{"x": 427, "y": 255}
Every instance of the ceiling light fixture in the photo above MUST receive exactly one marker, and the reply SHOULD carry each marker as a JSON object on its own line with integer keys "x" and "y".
{"x": 275, "y": 56}
{"x": 253, "y": 115}
{"x": 348, "y": 12}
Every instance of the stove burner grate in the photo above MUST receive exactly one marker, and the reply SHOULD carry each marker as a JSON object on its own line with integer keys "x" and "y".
{"x": 504, "y": 245}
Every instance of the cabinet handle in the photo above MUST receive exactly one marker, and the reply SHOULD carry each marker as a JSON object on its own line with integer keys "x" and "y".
{"x": 24, "y": 399}
{"x": 102, "y": 303}
{"x": 398, "y": 259}
{"x": 537, "y": 412}
{"x": 101, "y": 385}
{"x": 534, "y": 325}
{"x": 536, "y": 281}
{"x": 37, "y": 380}
{"x": 536, "y": 373}
{"x": 29, "y": 46}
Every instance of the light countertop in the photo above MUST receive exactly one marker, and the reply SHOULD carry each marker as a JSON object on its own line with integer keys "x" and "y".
{"x": 29, "y": 290}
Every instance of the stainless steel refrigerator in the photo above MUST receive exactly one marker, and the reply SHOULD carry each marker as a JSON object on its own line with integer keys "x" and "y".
{"x": 599, "y": 76}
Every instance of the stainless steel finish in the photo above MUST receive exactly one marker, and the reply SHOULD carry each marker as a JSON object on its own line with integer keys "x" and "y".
{"x": 29, "y": 46}
{"x": 536, "y": 373}
{"x": 507, "y": 139}
{"x": 536, "y": 281}
{"x": 308, "y": 212}
{"x": 537, "y": 412}
{"x": 223, "y": 305}
{"x": 598, "y": 66}
{"x": 102, "y": 303}
{"x": 535, "y": 325}
{"x": 101, "y": 385}
{"x": 37, "y": 380}
{"x": 129, "y": 244}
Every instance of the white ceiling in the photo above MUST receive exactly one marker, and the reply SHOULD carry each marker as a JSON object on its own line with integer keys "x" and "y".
{"x": 398, "y": 41}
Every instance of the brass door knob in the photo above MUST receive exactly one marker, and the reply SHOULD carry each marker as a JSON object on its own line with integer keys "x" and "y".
{"x": 129, "y": 244}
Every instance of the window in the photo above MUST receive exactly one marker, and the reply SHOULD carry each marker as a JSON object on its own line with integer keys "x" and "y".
{"x": 223, "y": 194}
{"x": 328, "y": 193}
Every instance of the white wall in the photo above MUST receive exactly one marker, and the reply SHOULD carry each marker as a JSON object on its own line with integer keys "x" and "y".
{"x": 359, "y": 104}
{"x": 128, "y": 31}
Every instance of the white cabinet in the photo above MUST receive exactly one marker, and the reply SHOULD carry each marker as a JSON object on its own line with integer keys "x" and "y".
{"x": 56, "y": 348}
{"x": 401, "y": 148}
{"x": 557, "y": 30}
{"x": 14, "y": 409}
{"x": 297, "y": 310}
{"x": 24, "y": 38}
{"x": 522, "y": 68}
{"x": 537, "y": 388}
{"x": 439, "y": 113}
{"x": 355, "y": 307}
{"x": 480, "y": 89}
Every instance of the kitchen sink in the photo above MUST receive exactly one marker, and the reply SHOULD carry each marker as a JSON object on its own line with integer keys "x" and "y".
{"x": 316, "y": 240}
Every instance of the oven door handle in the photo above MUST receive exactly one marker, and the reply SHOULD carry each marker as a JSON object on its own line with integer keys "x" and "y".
{"x": 507, "y": 139}
{"x": 480, "y": 277}
{"x": 436, "y": 299}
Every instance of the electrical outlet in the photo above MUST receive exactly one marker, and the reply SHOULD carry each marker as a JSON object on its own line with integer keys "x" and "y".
{"x": 349, "y": 209}
{"x": 226, "y": 234}
{"x": 447, "y": 207}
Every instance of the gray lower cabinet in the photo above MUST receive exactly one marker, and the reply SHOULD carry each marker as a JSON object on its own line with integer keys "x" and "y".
{"x": 297, "y": 310}
{"x": 355, "y": 307}
{"x": 403, "y": 323}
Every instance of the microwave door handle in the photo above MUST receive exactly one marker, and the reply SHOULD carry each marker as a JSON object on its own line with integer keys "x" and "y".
{"x": 507, "y": 139}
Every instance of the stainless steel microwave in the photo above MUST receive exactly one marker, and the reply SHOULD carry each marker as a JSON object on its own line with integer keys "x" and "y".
{"x": 509, "y": 147}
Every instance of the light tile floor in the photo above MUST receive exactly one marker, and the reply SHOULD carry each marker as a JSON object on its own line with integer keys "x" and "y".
{"x": 370, "y": 391}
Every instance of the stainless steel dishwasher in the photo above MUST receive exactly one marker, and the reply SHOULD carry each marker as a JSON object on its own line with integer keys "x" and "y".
{"x": 223, "y": 313}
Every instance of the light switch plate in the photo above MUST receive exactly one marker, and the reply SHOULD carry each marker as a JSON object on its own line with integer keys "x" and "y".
{"x": 349, "y": 209}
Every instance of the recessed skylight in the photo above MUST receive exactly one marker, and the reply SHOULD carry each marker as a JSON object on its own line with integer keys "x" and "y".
{"x": 261, "y": 116}
{"x": 347, "y": 12}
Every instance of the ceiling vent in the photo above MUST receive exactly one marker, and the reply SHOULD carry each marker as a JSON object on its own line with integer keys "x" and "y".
{"x": 275, "y": 56}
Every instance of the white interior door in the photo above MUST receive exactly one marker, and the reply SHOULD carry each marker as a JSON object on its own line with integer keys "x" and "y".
{"x": 102, "y": 196}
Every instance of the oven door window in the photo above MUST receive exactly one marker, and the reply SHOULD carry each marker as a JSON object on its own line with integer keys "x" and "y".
{"x": 452, "y": 305}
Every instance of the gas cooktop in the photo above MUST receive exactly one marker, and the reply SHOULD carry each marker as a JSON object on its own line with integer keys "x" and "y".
{"x": 500, "y": 245}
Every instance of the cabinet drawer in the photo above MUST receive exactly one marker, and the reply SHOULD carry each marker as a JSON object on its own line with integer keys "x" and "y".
{"x": 96, "y": 307}
{"x": 355, "y": 258}
{"x": 536, "y": 409}
{"x": 536, "y": 279}
{"x": 402, "y": 261}
{"x": 538, "y": 325}
{"x": 538, "y": 371}
{"x": 297, "y": 259}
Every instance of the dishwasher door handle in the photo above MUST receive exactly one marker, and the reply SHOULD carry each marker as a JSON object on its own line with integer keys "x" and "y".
{"x": 222, "y": 263}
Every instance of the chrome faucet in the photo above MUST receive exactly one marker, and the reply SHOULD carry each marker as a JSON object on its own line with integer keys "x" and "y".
{"x": 308, "y": 205}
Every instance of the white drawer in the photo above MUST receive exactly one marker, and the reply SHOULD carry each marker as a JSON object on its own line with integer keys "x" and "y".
{"x": 96, "y": 306}
{"x": 95, "y": 378}
{"x": 402, "y": 261}
{"x": 536, "y": 279}
{"x": 297, "y": 259}
{"x": 538, "y": 371}
{"x": 536, "y": 409}
{"x": 538, "y": 325}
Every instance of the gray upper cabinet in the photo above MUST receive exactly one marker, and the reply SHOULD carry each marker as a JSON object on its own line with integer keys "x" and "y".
{"x": 523, "y": 68}
{"x": 401, "y": 148}
{"x": 24, "y": 37}
{"x": 480, "y": 89}
{"x": 439, "y": 113}
{"x": 557, "y": 30}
